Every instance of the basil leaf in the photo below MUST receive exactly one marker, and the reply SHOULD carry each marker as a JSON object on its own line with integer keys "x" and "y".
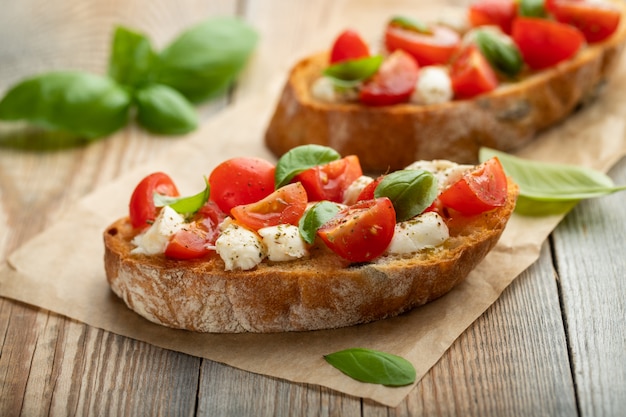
{"x": 300, "y": 159}
{"x": 410, "y": 24}
{"x": 410, "y": 190}
{"x": 161, "y": 109}
{"x": 206, "y": 59}
{"x": 373, "y": 366}
{"x": 502, "y": 54}
{"x": 85, "y": 104}
{"x": 348, "y": 73}
{"x": 532, "y": 8}
{"x": 131, "y": 58}
{"x": 183, "y": 205}
{"x": 550, "y": 182}
{"x": 314, "y": 217}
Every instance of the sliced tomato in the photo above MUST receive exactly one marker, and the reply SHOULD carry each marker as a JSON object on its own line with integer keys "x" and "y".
{"x": 471, "y": 74}
{"x": 348, "y": 45}
{"x": 368, "y": 192}
{"x": 435, "y": 47}
{"x": 492, "y": 12}
{"x": 209, "y": 217}
{"x": 284, "y": 206}
{"x": 361, "y": 232}
{"x": 393, "y": 83}
{"x": 242, "y": 180}
{"x": 189, "y": 243}
{"x": 596, "y": 21}
{"x": 481, "y": 189}
{"x": 142, "y": 211}
{"x": 544, "y": 43}
{"x": 329, "y": 181}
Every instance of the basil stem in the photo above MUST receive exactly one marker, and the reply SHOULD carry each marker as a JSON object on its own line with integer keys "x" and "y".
{"x": 85, "y": 104}
{"x": 315, "y": 217}
{"x": 206, "y": 59}
{"x": 163, "y": 110}
{"x": 300, "y": 159}
{"x": 410, "y": 191}
{"x": 132, "y": 57}
{"x": 502, "y": 54}
{"x": 373, "y": 366}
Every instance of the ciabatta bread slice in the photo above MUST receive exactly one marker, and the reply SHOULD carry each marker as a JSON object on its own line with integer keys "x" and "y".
{"x": 391, "y": 137}
{"x": 322, "y": 291}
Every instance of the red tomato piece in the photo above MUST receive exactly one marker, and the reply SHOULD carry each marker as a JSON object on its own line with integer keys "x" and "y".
{"x": 368, "y": 192}
{"x": 436, "y": 47}
{"x": 481, "y": 189}
{"x": 329, "y": 181}
{"x": 492, "y": 12}
{"x": 284, "y": 206}
{"x": 188, "y": 243}
{"x": 209, "y": 217}
{"x": 361, "y": 232}
{"x": 596, "y": 21}
{"x": 348, "y": 45}
{"x": 393, "y": 83}
{"x": 544, "y": 43}
{"x": 142, "y": 211}
{"x": 240, "y": 181}
{"x": 471, "y": 74}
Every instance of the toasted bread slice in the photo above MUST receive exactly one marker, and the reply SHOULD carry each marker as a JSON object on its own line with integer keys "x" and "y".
{"x": 391, "y": 137}
{"x": 322, "y": 291}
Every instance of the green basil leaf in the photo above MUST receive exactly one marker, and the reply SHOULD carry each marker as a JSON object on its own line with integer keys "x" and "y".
{"x": 131, "y": 58}
{"x": 314, "y": 217}
{"x": 161, "y": 109}
{"x": 85, "y": 104}
{"x": 373, "y": 366}
{"x": 410, "y": 190}
{"x": 410, "y": 24}
{"x": 300, "y": 159}
{"x": 206, "y": 59}
{"x": 502, "y": 54}
{"x": 532, "y": 8}
{"x": 353, "y": 71}
{"x": 184, "y": 205}
{"x": 550, "y": 182}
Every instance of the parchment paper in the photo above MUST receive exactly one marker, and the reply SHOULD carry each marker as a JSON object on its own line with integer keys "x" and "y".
{"x": 69, "y": 278}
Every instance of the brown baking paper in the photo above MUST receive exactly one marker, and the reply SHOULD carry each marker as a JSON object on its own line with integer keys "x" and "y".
{"x": 62, "y": 268}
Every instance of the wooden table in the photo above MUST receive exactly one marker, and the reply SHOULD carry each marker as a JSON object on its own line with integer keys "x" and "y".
{"x": 553, "y": 344}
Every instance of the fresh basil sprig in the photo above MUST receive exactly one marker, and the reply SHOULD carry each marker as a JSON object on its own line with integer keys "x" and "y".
{"x": 373, "y": 366}
{"x": 547, "y": 188}
{"x": 314, "y": 217}
{"x": 410, "y": 24}
{"x": 86, "y": 104}
{"x": 532, "y": 8}
{"x": 351, "y": 72}
{"x": 410, "y": 190}
{"x": 500, "y": 51}
{"x": 200, "y": 64}
{"x": 184, "y": 205}
{"x": 301, "y": 158}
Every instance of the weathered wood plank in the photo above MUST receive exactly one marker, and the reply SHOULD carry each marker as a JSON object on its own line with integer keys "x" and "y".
{"x": 590, "y": 248}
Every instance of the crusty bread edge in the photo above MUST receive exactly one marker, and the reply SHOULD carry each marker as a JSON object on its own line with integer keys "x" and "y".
{"x": 322, "y": 292}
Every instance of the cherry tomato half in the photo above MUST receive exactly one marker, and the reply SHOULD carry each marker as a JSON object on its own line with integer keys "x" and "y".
{"x": 481, "y": 189}
{"x": 368, "y": 192}
{"x": 284, "y": 206}
{"x": 471, "y": 74}
{"x": 432, "y": 48}
{"x": 492, "y": 12}
{"x": 242, "y": 180}
{"x": 544, "y": 43}
{"x": 348, "y": 45}
{"x": 361, "y": 232}
{"x": 393, "y": 83}
{"x": 329, "y": 181}
{"x": 596, "y": 21}
{"x": 142, "y": 211}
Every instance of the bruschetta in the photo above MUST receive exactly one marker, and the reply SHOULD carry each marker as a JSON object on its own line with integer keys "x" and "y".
{"x": 433, "y": 92}
{"x": 309, "y": 243}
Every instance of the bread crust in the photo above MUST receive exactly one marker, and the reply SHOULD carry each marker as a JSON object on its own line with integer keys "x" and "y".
{"x": 391, "y": 137}
{"x": 322, "y": 291}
